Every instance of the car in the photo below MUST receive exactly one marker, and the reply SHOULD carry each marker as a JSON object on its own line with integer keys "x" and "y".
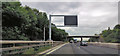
{"x": 84, "y": 43}
{"x": 75, "y": 41}
{"x": 71, "y": 41}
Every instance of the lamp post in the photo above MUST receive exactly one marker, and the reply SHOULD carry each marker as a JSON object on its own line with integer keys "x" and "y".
{"x": 49, "y": 27}
{"x": 44, "y": 33}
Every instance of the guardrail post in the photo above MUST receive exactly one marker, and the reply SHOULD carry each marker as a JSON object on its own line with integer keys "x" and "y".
{"x": 13, "y": 44}
{"x": 44, "y": 44}
{"x": 52, "y": 43}
{"x": 39, "y": 45}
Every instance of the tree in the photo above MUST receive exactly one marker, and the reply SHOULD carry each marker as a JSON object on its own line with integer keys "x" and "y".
{"x": 93, "y": 39}
{"x": 25, "y": 23}
{"x": 112, "y": 35}
{"x": 117, "y": 26}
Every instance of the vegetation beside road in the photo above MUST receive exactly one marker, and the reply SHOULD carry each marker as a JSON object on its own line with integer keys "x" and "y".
{"x": 109, "y": 35}
{"x": 32, "y": 51}
{"x": 25, "y": 23}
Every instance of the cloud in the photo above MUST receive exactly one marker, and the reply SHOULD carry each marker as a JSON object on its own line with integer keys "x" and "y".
{"x": 93, "y": 17}
{"x": 69, "y": 0}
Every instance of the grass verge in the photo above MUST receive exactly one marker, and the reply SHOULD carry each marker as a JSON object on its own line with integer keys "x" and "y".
{"x": 33, "y": 51}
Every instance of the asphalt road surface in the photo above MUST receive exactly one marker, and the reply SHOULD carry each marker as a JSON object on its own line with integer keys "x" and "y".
{"x": 75, "y": 48}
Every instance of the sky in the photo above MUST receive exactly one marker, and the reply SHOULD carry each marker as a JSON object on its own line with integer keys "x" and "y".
{"x": 93, "y": 17}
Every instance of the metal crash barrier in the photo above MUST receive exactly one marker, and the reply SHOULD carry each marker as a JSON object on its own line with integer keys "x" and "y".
{"x": 17, "y": 47}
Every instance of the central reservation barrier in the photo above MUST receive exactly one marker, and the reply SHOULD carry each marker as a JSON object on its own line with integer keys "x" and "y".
{"x": 108, "y": 45}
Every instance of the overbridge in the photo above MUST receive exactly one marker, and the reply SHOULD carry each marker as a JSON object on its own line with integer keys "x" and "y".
{"x": 83, "y": 37}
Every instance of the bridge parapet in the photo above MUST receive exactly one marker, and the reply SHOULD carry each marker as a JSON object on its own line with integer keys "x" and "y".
{"x": 83, "y": 36}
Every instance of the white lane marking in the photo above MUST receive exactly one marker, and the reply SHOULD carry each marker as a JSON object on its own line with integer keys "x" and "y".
{"x": 77, "y": 46}
{"x": 55, "y": 49}
{"x": 48, "y": 50}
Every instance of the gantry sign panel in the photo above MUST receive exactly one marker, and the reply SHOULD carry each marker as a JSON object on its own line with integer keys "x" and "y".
{"x": 70, "y": 20}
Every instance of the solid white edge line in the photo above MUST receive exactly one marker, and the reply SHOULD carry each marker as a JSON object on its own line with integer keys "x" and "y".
{"x": 55, "y": 49}
{"x": 48, "y": 49}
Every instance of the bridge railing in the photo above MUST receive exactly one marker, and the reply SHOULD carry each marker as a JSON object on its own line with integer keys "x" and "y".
{"x": 16, "y": 47}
